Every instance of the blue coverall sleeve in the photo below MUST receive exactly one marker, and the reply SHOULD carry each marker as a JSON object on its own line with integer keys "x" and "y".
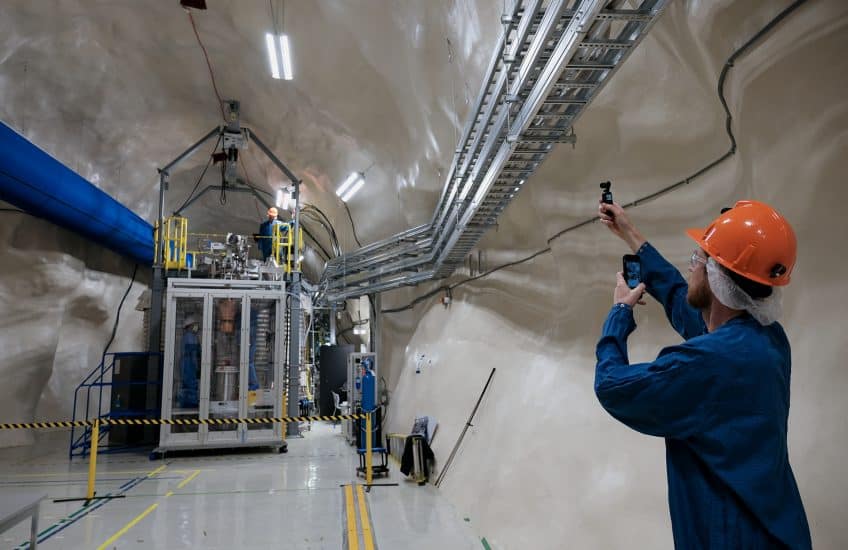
{"x": 665, "y": 283}
{"x": 669, "y": 397}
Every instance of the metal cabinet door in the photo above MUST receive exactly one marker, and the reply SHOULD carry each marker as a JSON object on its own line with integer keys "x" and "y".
{"x": 185, "y": 342}
{"x": 222, "y": 388}
{"x": 263, "y": 376}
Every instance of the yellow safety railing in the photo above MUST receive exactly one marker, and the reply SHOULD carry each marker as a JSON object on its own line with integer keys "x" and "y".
{"x": 281, "y": 242}
{"x": 176, "y": 242}
{"x": 176, "y": 238}
{"x": 283, "y": 246}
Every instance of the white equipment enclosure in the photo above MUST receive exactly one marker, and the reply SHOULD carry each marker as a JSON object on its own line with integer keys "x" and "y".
{"x": 223, "y": 359}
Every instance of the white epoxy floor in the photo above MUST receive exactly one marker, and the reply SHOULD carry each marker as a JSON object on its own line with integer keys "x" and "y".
{"x": 250, "y": 500}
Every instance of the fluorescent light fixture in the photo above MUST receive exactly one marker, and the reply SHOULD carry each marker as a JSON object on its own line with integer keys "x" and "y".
{"x": 287, "y": 198}
{"x": 272, "y": 55}
{"x": 347, "y": 183}
{"x": 287, "y": 64}
{"x": 349, "y": 195}
{"x": 278, "y": 199}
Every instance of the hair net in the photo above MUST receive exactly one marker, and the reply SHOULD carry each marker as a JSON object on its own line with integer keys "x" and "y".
{"x": 766, "y": 310}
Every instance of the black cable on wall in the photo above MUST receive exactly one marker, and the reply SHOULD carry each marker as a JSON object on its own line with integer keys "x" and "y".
{"x": 352, "y": 225}
{"x": 118, "y": 315}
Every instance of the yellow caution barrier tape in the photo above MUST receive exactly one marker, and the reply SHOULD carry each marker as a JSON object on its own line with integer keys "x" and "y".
{"x": 171, "y": 421}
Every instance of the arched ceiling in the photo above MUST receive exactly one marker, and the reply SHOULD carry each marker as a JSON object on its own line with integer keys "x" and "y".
{"x": 116, "y": 89}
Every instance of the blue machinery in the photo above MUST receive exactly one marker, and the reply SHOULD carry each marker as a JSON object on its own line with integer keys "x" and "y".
{"x": 363, "y": 396}
{"x": 360, "y": 365}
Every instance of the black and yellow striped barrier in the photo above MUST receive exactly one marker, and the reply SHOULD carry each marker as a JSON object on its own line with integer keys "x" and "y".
{"x": 96, "y": 424}
{"x": 171, "y": 421}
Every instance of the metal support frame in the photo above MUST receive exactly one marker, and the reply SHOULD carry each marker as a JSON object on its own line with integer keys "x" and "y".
{"x": 376, "y": 323}
{"x": 551, "y": 60}
{"x": 234, "y": 189}
{"x": 158, "y": 286}
{"x": 295, "y": 314}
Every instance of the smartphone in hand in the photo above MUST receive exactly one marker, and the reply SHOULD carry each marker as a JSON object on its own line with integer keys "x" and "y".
{"x": 606, "y": 194}
{"x": 632, "y": 270}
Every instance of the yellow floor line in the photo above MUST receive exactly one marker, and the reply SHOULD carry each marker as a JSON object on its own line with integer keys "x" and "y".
{"x": 128, "y": 526}
{"x": 149, "y": 509}
{"x": 82, "y": 473}
{"x": 367, "y": 536}
{"x": 157, "y": 470}
{"x": 185, "y": 482}
{"x": 352, "y": 536}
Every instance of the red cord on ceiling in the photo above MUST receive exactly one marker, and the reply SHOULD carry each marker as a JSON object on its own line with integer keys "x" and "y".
{"x": 209, "y": 65}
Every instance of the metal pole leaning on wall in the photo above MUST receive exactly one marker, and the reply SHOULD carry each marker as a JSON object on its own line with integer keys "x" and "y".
{"x": 465, "y": 429}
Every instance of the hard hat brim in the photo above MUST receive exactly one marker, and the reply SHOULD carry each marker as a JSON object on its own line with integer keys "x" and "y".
{"x": 697, "y": 235}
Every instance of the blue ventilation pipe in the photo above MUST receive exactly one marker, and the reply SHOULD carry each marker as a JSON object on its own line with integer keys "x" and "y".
{"x": 36, "y": 182}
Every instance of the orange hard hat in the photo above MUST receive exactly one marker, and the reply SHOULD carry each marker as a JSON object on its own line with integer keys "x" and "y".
{"x": 753, "y": 240}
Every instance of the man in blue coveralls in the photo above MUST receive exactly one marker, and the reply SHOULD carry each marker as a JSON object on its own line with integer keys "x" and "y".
{"x": 720, "y": 398}
{"x": 266, "y": 232}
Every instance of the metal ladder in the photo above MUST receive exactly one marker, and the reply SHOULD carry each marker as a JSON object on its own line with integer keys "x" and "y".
{"x": 551, "y": 60}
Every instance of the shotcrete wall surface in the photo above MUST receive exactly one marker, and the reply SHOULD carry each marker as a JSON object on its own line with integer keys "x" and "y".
{"x": 543, "y": 465}
{"x": 117, "y": 89}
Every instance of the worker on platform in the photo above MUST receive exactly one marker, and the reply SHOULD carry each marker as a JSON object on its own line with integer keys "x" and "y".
{"x": 266, "y": 232}
{"x": 189, "y": 364}
{"x": 720, "y": 398}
